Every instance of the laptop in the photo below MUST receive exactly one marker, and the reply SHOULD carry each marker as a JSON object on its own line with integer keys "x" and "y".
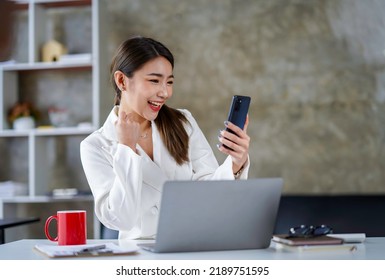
{"x": 216, "y": 215}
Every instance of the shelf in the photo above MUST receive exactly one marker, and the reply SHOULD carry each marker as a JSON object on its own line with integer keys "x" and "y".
{"x": 47, "y": 157}
{"x": 63, "y": 3}
{"x": 45, "y": 199}
{"x": 61, "y": 131}
{"x": 56, "y": 3}
{"x": 14, "y": 133}
{"x": 46, "y": 66}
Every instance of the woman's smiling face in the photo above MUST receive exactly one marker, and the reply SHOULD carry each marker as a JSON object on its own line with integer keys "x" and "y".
{"x": 148, "y": 89}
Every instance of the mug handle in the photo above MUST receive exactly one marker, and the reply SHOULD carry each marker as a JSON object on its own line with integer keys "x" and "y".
{"x": 47, "y": 223}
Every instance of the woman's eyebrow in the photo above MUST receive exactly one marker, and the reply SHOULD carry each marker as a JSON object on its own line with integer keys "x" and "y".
{"x": 159, "y": 75}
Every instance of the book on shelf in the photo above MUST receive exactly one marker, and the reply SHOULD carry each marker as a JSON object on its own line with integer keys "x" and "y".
{"x": 76, "y": 58}
{"x": 12, "y": 189}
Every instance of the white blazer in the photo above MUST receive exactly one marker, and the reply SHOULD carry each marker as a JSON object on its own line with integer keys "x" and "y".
{"x": 127, "y": 186}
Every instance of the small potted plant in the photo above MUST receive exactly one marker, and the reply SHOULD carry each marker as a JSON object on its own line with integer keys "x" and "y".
{"x": 22, "y": 115}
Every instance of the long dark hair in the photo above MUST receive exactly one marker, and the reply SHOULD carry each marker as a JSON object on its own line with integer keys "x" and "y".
{"x": 130, "y": 56}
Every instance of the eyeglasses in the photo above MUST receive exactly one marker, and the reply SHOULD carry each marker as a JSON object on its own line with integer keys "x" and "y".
{"x": 310, "y": 231}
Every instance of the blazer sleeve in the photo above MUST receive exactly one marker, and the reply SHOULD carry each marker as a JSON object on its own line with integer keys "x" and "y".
{"x": 115, "y": 183}
{"x": 204, "y": 163}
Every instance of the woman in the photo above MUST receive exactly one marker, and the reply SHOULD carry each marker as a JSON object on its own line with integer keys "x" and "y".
{"x": 144, "y": 142}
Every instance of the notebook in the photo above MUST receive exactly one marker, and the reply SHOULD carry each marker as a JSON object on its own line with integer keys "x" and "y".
{"x": 216, "y": 215}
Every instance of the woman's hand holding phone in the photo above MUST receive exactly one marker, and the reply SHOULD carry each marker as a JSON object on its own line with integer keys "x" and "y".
{"x": 235, "y": 144}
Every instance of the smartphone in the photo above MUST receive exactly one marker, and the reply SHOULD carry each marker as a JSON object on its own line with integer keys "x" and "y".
{"x": 238, "y": 111}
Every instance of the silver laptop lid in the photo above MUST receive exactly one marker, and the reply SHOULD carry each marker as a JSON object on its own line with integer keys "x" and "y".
{"x": 218, "y": 215}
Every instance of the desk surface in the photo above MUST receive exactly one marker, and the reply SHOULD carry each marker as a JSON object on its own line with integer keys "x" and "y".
{"x": 372, "y": 249}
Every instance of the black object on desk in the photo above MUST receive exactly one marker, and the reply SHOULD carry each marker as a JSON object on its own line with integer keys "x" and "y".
{"x": 12, "y": 222}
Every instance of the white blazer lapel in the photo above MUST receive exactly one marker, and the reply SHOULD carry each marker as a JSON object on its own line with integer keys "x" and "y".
{"x": 153, "y": 175}
{"x": 162, "y": 168}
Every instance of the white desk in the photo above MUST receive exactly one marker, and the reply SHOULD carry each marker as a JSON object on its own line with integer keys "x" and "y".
{"x": 372, "y": 249}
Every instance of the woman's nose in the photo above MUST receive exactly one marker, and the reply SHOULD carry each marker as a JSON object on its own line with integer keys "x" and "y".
{"x": 163, "y": 91}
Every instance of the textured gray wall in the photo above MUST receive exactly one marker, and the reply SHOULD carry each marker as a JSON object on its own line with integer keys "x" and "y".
{"x": 314, "y": 69}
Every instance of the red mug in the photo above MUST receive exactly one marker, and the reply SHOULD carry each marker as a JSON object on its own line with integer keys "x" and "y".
{"x": 71, "y": 227}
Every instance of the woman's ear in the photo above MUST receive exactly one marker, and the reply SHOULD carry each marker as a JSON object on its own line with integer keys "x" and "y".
{"x": 120, "y": 80}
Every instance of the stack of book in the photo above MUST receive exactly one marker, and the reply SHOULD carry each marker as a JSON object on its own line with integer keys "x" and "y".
{"x": 12, "y": 189}
{"x": 332, "y": 242}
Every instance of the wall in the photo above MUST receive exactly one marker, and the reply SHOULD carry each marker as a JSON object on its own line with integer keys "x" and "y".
{"x": 314, "y": 70}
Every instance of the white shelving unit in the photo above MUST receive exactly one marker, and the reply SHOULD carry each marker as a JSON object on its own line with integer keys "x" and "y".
{"x": 39, "y": 144}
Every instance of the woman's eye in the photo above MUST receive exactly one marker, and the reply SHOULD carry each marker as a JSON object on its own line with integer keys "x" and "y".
{"x": 170, "y": 83}
{"x": 154, "y": 81}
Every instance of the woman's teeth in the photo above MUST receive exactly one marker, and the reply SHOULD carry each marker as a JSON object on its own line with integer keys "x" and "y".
{"x": 156, "y": 104}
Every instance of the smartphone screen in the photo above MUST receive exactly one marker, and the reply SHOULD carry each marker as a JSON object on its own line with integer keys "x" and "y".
{"x": 238, "y": 111}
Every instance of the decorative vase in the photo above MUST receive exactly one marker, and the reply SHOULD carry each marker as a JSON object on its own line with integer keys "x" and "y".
{"x": 24, "y": 123}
